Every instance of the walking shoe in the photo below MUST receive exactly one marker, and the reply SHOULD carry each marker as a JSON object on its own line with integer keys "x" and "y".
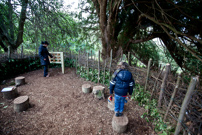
{"x": 120, "y": 114}
{"x": 117, "y": 114}
{"x": 48, "y": 75}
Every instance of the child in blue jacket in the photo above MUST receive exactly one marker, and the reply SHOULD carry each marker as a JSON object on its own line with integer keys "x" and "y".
{"x": 121, "y": 84}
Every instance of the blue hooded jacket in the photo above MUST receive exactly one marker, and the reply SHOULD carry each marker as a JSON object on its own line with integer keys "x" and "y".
{"x": 43, "y": 54}
{"x": 122, "y": 83}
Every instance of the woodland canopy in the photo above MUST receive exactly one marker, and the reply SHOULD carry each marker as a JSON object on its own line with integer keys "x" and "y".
{"x": 122, "y": 25}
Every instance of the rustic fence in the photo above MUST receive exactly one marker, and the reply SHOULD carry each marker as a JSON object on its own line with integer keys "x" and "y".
{"x": 179, "y": 99}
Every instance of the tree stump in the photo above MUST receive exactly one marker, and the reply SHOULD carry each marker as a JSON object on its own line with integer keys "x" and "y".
{"x": 19, "y": 80}
{"x": 21, "y": 103}
{"x": 111, "y": 104}
{"x": 98, "y": 92}
{"x": 10, "y": 92}
{"x": 119, "y": 124}
{"x": 86, "y": 88}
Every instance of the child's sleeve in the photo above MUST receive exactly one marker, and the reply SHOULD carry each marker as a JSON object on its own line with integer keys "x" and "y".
{"x": 112, "y": 85}
{"x": 131, "y": 85}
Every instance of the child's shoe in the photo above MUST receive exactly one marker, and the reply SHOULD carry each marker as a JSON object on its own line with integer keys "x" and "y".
{"x": 117, "y": 114}
{"x": 120, "y": 114}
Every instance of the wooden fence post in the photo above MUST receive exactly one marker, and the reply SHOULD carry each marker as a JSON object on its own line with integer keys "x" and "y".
{"x": 9, "y": 51}
{"x": 110, "y": 64}
{"x": 148, "y": 72}
{"x": 185, "y": 103}
{"x": 129, "y": 61}
{"x": 163, "y": 84}
{"x": 76, "y": 62}
{"x": 21, "y": 51}
{"x": 155, "y": 83}
{"x": 173, "y": 96}
{"x": 99, "y": 66}
{"x": 104, "y": 72}
{"x": 87, "y": 66}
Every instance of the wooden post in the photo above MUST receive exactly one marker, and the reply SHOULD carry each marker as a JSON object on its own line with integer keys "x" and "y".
{"x": 21, "y": 51}
{"x": 76, "y": 62}
{"x": 148, "y": 72}
{"x": 110, "y": 64}
{"x": 155, "y": 83}
{"x": 129, "y": 61}
{"x": 163, "y": 84}
{"x": 62, "y": 62}
{"x": 104, "y": 72}
{"x": 87, "y": 66}
{"x": 185, "y": 103}
{"x": 99, "y": 66}
{"x": 36, "y": 50}
{"x": 173, "y": 95}
{"x": 9, "y": 51}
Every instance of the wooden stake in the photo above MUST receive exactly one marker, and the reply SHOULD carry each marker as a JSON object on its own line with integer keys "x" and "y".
{"x": 173, "y": 96}
{"x": 87, "y": 65}
{"x": 163, "y": 84}
{"x": 9, "y": 52}
{"x": 76, "y": 62}
{"x": 104, "y": 72}
{"x": 155, "y": 83}
{"x": 99, "y": 66}
{"x": 21, "y": 51}
{"x": 62, "y": 62}
{"x": 148, "y": 72}
{"x": 185, "y": 103}
{"x": 129, "y": 62}
{"x": 110, "y": 64}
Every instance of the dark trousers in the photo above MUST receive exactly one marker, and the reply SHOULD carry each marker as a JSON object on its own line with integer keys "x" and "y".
{"x": 45, "y": 70}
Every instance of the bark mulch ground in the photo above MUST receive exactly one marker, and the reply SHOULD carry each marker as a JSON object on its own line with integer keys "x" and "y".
{"x": 58, "y": 107}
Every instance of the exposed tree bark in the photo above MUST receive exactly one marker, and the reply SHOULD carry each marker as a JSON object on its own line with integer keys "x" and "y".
{"x": 8, "y": 37}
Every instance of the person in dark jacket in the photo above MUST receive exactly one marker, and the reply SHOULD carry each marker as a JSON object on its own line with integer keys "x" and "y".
{"x": 43, "y": 54}
{"x": 121, "y": 84}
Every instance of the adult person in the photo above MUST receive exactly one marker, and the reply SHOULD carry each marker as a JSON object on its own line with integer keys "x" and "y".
{"x": 121, "y": 84}
{"x": 43, "y": 54}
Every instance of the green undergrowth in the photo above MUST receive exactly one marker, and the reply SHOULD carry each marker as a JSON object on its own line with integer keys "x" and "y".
{"x": 93, "y": 75}
{"x": 152, "y": 115}
{"x": 139, "y": 95}
{"x": 14, "y": 67}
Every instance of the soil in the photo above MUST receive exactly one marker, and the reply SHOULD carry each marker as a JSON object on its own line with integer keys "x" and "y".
{"x": 59, "y": 107}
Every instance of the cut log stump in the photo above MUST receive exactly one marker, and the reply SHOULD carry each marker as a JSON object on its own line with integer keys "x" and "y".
{"x": 21, "y": 103}
{"x": 119, "y": 124}
{"x": 86, "y": 88}
{"x": 10, "y": 92}
{"x": 111, "y": 104}
{"x": 98, "y": 92}
{"x": 19, "y": 80}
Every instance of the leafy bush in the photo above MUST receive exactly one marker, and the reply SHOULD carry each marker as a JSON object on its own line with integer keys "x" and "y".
{"x": 153, "y": 114}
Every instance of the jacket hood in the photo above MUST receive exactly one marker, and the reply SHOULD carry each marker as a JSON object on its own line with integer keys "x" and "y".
{"x": 124, "y": 75}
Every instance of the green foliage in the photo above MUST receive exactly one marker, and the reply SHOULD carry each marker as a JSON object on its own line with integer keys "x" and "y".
{"x": 93, "y": 75}
{"x": 18, "y": 66}
{"x": 153, "y": 113}
{"x": 15, "y": 67}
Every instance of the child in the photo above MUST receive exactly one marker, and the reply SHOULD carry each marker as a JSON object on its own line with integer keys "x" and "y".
{"x": 122, "y": 83}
